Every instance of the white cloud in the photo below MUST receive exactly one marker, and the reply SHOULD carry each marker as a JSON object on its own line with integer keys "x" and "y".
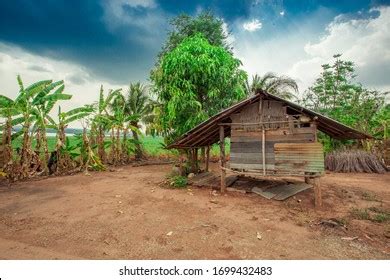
{"x": 32, "y": 68}
{"x": 300, "y": 52}
{"x": 364, "y": 41}
{"x": 230, "y": 37}
{"x": 252, "y": 25}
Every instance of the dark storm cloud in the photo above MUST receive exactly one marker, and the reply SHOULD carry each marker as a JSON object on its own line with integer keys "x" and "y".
{"x": 38, "y": 68}
{"x": 74, "y": 30}
{"x": 77, "y": 80}
{"x": 123, "y": 47}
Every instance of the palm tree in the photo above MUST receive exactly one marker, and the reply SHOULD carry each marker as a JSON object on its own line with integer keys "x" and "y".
{"x": 140, "y": 106}
{"x": 281, "y": 86}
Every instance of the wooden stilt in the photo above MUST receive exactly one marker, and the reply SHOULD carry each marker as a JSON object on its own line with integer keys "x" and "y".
{"x": 207, "y": 158}
{"x": 196, "y": 160}
{"x": 222, "y": 158}
{"x": 263, "y": 149}
{"x": 193, "y": 163}
{"x": 203, "y": 156}
{"x": 317, "y": 192}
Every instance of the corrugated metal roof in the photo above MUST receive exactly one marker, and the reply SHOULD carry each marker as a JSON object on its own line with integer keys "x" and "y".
{"x": 207, "y": 132}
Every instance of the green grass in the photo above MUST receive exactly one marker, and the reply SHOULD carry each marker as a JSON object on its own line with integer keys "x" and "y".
{"x": 374, "y": 214}
{"x": 152, "y": 145}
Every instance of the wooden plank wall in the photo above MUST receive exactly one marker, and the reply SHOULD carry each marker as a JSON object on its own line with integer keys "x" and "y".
{"x": 246, "y": 141}
{"x": 299, "y": 158}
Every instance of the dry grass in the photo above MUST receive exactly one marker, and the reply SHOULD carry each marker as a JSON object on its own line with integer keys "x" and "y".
{"x": 354, "y": 161}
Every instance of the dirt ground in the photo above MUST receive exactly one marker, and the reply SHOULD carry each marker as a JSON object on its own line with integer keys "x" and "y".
{"x": 127, "y": 214}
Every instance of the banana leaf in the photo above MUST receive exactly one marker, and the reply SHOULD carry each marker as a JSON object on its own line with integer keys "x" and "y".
{"x": 16, "y": 135}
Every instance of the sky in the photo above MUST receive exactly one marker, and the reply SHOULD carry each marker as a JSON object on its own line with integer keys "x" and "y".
{"x": 114, "y": 42}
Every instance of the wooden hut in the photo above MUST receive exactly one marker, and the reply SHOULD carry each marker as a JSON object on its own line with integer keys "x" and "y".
{"x": 269, "y": 136}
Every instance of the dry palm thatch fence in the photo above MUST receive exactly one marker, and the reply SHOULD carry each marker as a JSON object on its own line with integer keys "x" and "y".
{"x": 354, "y": 161}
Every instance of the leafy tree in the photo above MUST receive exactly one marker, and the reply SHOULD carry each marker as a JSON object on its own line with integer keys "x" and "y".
{"x": 195, "y": 81}
{"x": 139, "y": 104}
{"x": 184, "y": 26}
{"x": 336, "y": 94}
{"x": 282, "y": 86}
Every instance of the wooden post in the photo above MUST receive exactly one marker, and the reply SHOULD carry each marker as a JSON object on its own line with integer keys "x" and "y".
{"x": 193, "y": 163}
{"x": 207, "y": 158}
{"x": 203, "y": 155}
{"x": 263, "y": 148}
{"x": 196, "y": 160}
{"x": 261, "y": 113}
{"x": 317, "y": 192}
{"x": 222, "y": 158}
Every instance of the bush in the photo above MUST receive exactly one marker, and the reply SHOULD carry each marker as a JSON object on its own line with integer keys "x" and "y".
{"x": 178, "y": 181}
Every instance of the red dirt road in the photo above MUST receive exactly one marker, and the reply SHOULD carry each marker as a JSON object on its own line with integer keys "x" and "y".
{"x": 126, "y": 214}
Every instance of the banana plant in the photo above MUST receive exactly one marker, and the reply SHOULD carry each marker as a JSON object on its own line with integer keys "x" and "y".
{"x": 8, "y": 111}
{"x": 64, "y": 151}
{"x": 101, "y": 121}
{"x": 24, "y": 102}
{"x": 43, "y": 102}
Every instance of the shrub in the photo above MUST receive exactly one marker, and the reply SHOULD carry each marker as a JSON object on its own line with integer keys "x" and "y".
{"x": 178, "y": 181}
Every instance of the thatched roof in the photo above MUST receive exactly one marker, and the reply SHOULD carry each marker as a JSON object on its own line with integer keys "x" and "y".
{"x": 207, "y": 133}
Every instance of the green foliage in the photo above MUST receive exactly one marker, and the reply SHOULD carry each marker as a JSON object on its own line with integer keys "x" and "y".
{"x": 184, "y": 26}
{"x": 336, "y": 94}
{"x": 196, "y": 80}
{"x": 282, "y": 86}
{"x": 178, "y": 181}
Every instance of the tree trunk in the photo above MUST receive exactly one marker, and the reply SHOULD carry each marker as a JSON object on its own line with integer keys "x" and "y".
{"x": 25, "y": 155}
{"x": 124, "y": 146}
{"x": 101, "y": 150}
{"x": 112, "y": 151}
{"x": 118, "y": 146}
{"x": 45, "y": 151}
{"x": 7, "y": 163}
{"x": 138, "y": 148}
{"x": 86, "y": 147}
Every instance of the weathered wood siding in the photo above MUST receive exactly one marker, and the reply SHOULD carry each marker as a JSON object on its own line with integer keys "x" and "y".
{"x": 301, "y": 158}
{"x": 246, "y": 141}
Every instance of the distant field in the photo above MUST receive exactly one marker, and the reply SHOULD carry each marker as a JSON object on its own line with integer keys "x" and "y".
{"x": 152, "y": 145}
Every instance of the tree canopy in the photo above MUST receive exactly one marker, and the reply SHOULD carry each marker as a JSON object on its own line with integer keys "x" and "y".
{"x": 194, "y": 81}
{"x": 338, "y": 95}
{"x": 184, "y": 26}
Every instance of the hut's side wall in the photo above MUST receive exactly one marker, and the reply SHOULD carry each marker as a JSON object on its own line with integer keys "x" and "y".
{"x": 246, "y": 140}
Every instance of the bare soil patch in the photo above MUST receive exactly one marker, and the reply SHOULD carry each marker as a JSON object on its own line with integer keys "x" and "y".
{"x": 127, "y": 214}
